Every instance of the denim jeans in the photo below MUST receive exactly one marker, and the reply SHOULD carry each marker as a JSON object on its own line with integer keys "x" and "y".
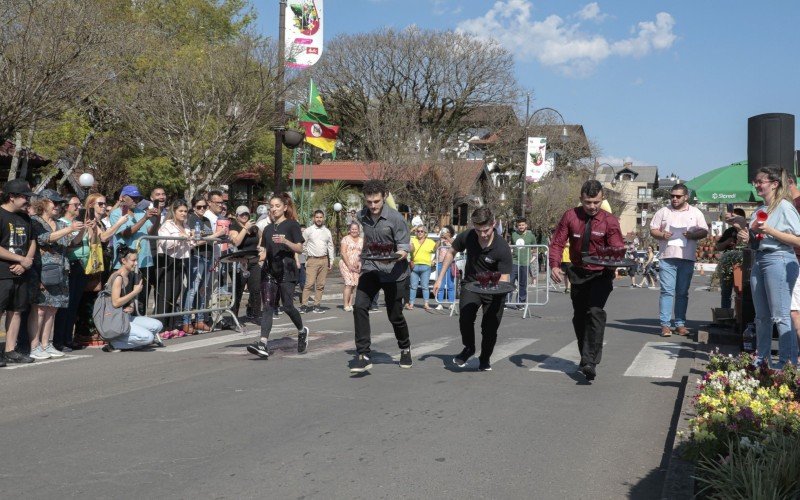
{"x": 448, "y": 289}
{"x": 143, "y": 331}
{"x": 518, "y": 271}
{"x": 771, "y": 281}
{"x": 420, "y": 276}
{"x": 675, "y": 276}
{"x": 726, "y": 289}
{"x": 199, "y": 287}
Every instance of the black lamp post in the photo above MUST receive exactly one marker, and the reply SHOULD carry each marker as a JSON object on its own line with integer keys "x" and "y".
{"x": 337, "y": 208}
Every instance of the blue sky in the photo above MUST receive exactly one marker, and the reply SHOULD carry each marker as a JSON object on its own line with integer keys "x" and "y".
{"x": 665, "y": 83}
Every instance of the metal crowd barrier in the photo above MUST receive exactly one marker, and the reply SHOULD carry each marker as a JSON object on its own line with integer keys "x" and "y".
{"x": 196, "y": 285}
{"x": 531, "y": 277}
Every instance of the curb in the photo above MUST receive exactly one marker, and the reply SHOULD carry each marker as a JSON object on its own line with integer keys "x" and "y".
{"x": 679, "y": 483}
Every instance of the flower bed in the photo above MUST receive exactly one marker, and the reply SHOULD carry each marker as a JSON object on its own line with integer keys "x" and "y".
{"x": 744, "y": 414}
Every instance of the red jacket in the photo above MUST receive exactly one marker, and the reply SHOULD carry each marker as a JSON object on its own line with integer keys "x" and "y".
{"x": 605, "y": 232}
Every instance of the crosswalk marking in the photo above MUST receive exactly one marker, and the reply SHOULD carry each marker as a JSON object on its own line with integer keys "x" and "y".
{"x": 339, "y": 347}
{"x": 232, "y": 337}
{"x": 426, "y": 347}
{"x": 655, "y": 360}
{"x": 67, "y": 357}
{"x": 502, "y": 351}
{"x": 564, "y": 360}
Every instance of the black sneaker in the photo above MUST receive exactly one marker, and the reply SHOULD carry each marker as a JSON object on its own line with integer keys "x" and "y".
{"x": 361, "y": 364}
{"x": 405, "y": 358}
{"x": 17, "y": 357}
{"x": 317, "y": 310}
{"x": 589, "y": 372}
{"x": 484, "y": 366}
{"x": 259, "y": 349}
{"x": 461, "y": 359}
{"x": 302, "y": 340}
{"x": 303, "y": 309}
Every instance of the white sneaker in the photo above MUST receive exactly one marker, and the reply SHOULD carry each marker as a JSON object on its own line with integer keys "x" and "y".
{"x": 38, "y": 353}
{"x": 53, "y": 352}
{"x": 348, "y": 308}
{"x": 439, "y": 307}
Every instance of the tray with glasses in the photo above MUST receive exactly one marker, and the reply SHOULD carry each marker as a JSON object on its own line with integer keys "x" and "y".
{"x": 381, "y": 252}
{"x": 609, "y": 257}
{"x": 239, "y": 256}
{"x": 489, "y": 284}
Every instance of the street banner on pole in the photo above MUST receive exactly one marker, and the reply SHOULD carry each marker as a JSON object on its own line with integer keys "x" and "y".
{"x": 536, "y": 162}
{"x": 303, "y": 36}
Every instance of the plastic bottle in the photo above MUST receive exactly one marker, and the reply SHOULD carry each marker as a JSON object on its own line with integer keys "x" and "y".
{"x": 749, "y": 338}
{"x": 197, "y": 230}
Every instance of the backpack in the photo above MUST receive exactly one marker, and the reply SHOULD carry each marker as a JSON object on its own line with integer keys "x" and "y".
{"x": 111, "y": 322}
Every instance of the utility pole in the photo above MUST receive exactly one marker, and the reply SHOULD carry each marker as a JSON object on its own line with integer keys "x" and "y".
{"x": 525, "y": 163}
{"x": 280, "y": 104}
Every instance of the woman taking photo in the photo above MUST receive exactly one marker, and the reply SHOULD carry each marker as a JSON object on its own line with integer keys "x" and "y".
{"x": 448, "y": 291}
{"x": 144, "y": 330}
{"x": 774, "y": 230}
{"x": 50, "y": 281}
{"x": 350, "y": 262}
{"x": 281, "y": 240}
{"x": 177, "y": 250}
{"x": 244, "y": 236}
{"x": 422, "y": 249}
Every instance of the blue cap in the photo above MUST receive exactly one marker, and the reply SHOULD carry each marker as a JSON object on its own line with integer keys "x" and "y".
{"x": 132, "y": 191}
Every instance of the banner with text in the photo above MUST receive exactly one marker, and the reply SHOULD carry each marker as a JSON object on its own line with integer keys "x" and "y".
{"x": 537, "y": 164}
{"x": 303, "y": 36}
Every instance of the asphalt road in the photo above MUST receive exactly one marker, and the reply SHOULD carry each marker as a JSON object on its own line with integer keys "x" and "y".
{"x": 204, "y": 419}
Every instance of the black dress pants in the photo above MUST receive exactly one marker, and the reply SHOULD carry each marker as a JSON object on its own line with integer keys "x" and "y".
{"x": 369, "y": 284}
{"x": 589, "y": 318}
{"x": 492, "y": 307}
{"x": 253, "y": 282}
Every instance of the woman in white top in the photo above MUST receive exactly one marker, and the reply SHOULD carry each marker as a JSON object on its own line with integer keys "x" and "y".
{"x": 176, "y": 247}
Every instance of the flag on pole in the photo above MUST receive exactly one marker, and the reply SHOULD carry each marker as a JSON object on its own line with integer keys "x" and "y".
{"x": 319, "y": 131}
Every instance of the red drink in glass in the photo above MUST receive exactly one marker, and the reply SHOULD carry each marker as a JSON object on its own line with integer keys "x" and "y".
{"x": 495, "y": 277}
{"x": 761, "y": 216}
{"x": 483, "y": 279}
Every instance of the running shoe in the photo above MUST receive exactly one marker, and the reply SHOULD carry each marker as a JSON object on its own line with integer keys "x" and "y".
{"x": 302, "y": 340}
{"x": 53, "y": 352}
{"x": 38, "y": 353}
{"x": 589, "y": 372}
{"x": 405, "y": 358}
{"x": 259, "y": 349}
{"x": 461, "y": 360}
{"x": 484, "y": 366}
{"x": 361, "y": 364}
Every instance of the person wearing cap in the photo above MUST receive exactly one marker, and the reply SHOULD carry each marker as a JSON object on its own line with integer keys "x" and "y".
{"x": 17, "y": 252}
{"x": 245, "y": 236}
{"x": 53, "y": 237}
{"x": 139, "y": 224}
{"x": 319, "y": 260}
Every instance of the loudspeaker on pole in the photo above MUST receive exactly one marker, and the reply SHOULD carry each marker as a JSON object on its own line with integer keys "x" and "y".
{"x": 770, "y": 141}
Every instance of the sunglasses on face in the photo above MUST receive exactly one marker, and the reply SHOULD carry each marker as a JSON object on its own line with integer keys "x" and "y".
{"x": 676, "y": 196}
{"x": 100, "y": 204}
{"x": 200, "y": 207}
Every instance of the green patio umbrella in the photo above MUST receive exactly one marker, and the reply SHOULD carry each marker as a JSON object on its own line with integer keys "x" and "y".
{"x": 724, "y": 185}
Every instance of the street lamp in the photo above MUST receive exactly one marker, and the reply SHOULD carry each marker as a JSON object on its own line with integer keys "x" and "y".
{"x": 613, "y": 173}
{"x": 337, "y": 207}
{"x": 528, "y": 117}
{"x": 86, "y": 181}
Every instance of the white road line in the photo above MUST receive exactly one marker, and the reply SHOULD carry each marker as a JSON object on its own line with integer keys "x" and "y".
{"x": 232, "y": 337}
{"x": 426, "y": 347}
{"x": 66, "y": 357}
{"x": 338, "y": 347}
{"x": 565, "y": 360}
{"x": 502, "y": 351}
{"x": 656, "y": 360}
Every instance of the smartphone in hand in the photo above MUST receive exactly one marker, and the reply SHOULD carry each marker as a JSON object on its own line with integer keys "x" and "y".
{"x": 90, "y": 213}
{"x": 81, "y": 215}
{"x": 729, "y": 208}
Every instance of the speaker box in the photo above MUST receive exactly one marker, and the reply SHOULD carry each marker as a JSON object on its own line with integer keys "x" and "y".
{"x": 770, "y": 141}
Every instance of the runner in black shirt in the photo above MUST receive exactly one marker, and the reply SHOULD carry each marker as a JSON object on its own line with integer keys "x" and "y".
{"x": 486, "y": 251}
{"x": 281, "y": 240}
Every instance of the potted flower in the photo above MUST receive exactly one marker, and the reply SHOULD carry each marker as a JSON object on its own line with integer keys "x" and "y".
{"x": 729, "y": 263}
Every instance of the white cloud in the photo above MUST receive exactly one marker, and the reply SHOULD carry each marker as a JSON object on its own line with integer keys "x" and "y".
{"x": 442, "y": 7}
{"x": 616, "y": 161}
{"x": 591, "y": 12}
{"x": 563, "y": 45}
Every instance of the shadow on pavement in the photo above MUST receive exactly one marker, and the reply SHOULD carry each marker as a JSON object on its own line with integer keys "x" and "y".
{"x": 652, "y": 485}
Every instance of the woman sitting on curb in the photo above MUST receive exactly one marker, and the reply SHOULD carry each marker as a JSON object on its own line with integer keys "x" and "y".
{"x": 144, "y": 330}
